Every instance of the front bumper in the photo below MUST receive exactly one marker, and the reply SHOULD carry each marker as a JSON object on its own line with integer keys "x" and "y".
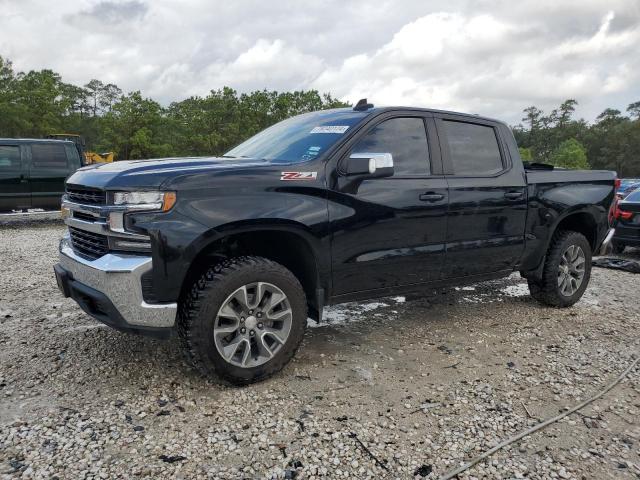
{"x": 109, "y": 289}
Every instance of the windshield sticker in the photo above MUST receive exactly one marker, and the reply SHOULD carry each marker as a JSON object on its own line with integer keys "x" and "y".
{"x": 330, "y": 129}
{"x": 311, "y": 153}
{"x": 298, "y": 175}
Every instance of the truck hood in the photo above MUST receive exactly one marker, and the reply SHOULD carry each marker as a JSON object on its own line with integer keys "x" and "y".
{"x": 153, "y": 173}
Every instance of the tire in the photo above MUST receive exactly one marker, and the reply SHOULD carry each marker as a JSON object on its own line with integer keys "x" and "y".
{"x": 549, "y": 290}
{"x": 617, "y": 247}
{"x": 236, "y": 284}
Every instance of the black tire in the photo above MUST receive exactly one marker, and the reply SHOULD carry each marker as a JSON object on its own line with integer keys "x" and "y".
{"x": 199, "y": 307}
{"x": 546, "y": 290}
{"x": 617, "y": 247}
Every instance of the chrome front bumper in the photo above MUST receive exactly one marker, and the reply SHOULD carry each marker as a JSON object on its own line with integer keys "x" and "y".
{"x": 118, "y": 277}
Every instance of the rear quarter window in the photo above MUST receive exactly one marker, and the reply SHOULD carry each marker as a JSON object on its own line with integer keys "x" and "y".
{"x": 73, "y": 156}
{"x": 48, "y": 155}
{"x": 473, "y": 149}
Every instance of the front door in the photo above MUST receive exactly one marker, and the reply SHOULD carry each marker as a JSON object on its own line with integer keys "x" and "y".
{"x": 487, "y": 197}
{"x": 14, "y": 185}
{"x": 390, "y": 232}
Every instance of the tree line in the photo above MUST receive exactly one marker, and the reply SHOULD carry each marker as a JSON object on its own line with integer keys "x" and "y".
{"x": 38, "y": 103}
{"x": 612, "y": 142}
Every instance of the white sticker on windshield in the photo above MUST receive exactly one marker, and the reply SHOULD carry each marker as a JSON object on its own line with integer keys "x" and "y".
{"x": 330, "y": 129}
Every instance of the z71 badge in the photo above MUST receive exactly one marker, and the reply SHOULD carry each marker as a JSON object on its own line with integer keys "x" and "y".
{"x": 298, "y": 175}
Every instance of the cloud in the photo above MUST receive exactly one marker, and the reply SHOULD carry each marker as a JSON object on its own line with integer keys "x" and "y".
{"x": 492, "y": 58}
{"x": 485, "y": 64}
{"x": 109, "y": 13}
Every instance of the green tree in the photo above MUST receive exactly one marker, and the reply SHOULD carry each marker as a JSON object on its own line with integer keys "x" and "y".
{"x": 134, "y": 128}
{"x": 525, "y": 154}
{"x": 109, "y": 94}
{"x": 94, "y": 92}
{"x": 570, "y": 154}
{"x": 36, "y": 103}
{"x": 634, "y": 110}
{"x": 12, "y": 112}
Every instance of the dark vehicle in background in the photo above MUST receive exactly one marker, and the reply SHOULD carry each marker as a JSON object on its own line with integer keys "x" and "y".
{"x": 627, "y": 223}
{"x": 33, "y": 172}
{"x": 233, "y": 253}
{"x": 627, "y": 185}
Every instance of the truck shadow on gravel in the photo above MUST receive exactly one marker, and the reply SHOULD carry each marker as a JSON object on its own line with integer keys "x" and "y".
{"x": 346, "y": 329}
{"x": 349, "y": 330}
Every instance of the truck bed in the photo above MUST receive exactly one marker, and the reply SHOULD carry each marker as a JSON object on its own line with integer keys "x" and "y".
{"x": 568, "y": 176}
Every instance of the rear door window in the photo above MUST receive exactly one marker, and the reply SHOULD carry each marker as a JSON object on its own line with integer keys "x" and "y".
{"x": 10, "y": 158}
{"x": 49, "y": 156}
{"x": 473, "y": 149}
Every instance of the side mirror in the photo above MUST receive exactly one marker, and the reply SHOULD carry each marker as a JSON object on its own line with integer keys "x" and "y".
{"x": 375, "y": 165}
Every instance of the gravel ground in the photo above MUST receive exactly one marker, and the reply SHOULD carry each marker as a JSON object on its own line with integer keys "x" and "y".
{"x": 397, "y": 388}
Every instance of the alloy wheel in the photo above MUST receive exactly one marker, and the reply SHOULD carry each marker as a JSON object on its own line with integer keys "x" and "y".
{"x": 571, "y": 270}
{"x": 252, "y": 324}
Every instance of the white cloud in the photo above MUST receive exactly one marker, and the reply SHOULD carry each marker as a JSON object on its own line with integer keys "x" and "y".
{"x": 492, "y": 58}
{"x": 470, "y": 64}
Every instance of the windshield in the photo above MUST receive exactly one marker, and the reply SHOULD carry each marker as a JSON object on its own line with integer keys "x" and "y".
{"x": 300, "y": 138}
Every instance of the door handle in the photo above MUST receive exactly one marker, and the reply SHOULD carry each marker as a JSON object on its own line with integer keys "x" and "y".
{"x": 513, "y": 195}
{"x": 431, "y": 197}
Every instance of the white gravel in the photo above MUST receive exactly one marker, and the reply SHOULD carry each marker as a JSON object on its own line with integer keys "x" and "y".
{"x": 396, "y": 388}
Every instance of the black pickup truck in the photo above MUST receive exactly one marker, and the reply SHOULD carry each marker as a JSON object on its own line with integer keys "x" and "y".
{"x": 234, "y": 253}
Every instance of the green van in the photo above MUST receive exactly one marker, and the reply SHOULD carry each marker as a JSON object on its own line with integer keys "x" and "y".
{"x": 32, "y": 172}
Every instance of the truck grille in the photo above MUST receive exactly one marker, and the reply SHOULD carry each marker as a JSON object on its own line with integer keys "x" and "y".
{"x": 86, "y": 196}
{"x": 85, "y": 216}
{"x": 88, "y": 244}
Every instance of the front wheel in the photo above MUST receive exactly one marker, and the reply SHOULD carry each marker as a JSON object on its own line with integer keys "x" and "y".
{"x": 566, "y": 272}
{"x": 243, "y": 319}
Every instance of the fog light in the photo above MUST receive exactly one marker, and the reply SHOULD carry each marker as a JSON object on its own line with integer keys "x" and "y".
{"x": 130, "y": 245}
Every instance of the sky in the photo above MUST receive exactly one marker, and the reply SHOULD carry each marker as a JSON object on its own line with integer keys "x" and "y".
{"x": 493, "y": 58}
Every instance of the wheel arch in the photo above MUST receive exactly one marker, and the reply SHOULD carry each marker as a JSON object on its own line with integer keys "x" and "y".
{"x": 582, "y": 221}
{"x": 288, "y": 243}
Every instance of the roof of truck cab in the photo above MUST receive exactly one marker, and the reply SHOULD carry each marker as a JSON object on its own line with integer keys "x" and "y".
{"x": 431, "y": 110}
{"x": 33, "y": 140}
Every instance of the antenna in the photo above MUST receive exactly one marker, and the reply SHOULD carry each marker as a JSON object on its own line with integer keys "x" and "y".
{"x": 362, "y": 105}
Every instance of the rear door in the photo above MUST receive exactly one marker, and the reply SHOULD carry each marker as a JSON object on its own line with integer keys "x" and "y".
{"x": 390, "y": 232}
{"x": 14, "y": 185}
{"x": 487, "y": 197}
{"x": 48, "y": 171}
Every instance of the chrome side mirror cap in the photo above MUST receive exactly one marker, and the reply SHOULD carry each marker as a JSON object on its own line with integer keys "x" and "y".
{"x": 370, "y": 164}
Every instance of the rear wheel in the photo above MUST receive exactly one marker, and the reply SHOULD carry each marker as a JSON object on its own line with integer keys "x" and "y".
{"x": 243, "y": 319}
{"x": 566, "y": 272}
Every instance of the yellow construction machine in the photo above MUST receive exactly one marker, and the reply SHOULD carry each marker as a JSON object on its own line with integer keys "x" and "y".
{"x": 89, "y": 157}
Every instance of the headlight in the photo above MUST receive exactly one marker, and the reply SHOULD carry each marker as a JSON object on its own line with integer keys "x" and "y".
{"x": 162, "y": 201}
